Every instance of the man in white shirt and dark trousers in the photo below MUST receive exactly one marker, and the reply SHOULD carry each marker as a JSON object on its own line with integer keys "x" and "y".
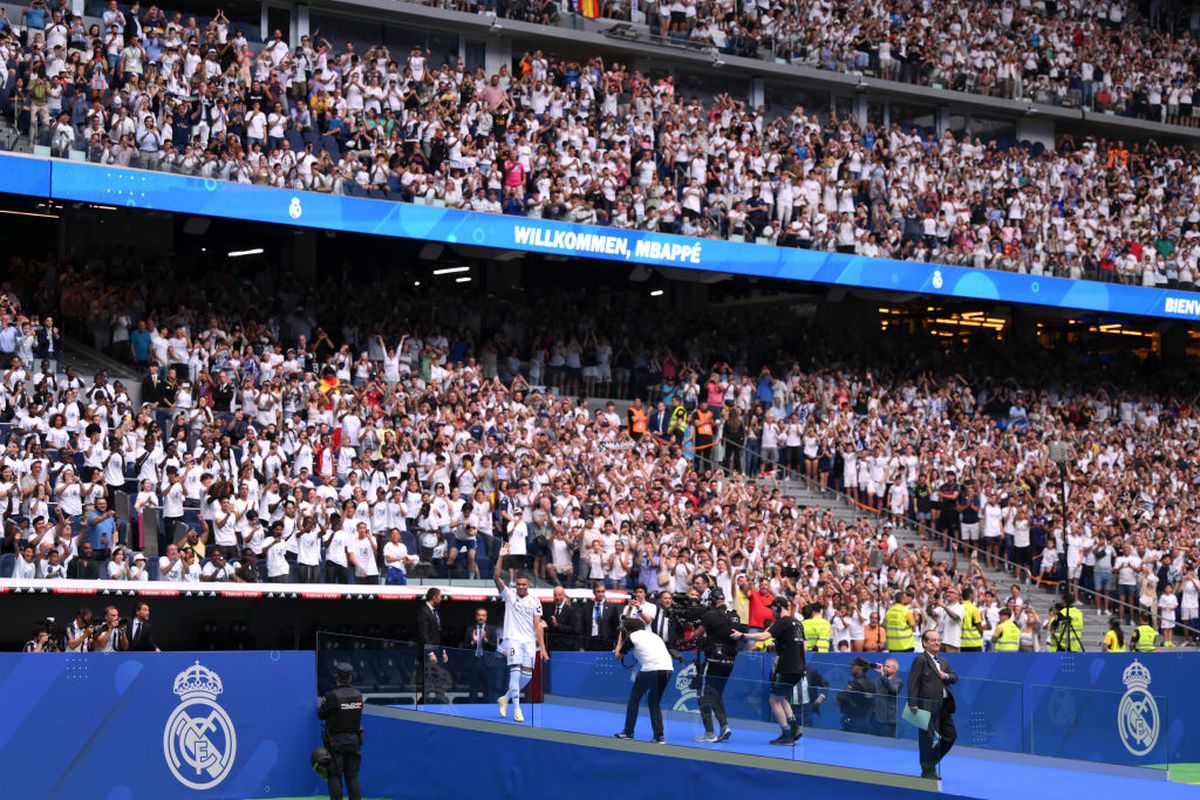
{"x": 655, "y": 673}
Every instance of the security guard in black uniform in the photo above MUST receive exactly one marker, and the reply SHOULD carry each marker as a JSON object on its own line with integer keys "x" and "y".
{"x": 341, "y": 708}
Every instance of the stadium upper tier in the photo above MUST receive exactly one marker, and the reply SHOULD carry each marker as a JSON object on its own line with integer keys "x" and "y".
{"x": 597, "y": 142}
{"x": 1083, "y": 54}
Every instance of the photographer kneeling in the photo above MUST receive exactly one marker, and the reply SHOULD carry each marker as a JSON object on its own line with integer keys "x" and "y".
{"x": 651, "y": 653}
{"x": 789, "y": 669}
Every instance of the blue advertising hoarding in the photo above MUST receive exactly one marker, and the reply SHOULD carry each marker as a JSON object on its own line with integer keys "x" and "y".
{"x": 77, "y": 181}
{"x": 25, "y": 175}
{"x": 120, "y": 726}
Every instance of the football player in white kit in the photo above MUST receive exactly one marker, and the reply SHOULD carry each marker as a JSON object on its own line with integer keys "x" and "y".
{"x": 522, "y": 637}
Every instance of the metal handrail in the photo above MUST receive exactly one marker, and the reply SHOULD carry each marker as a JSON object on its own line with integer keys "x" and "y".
{"x": 927, "y": 532}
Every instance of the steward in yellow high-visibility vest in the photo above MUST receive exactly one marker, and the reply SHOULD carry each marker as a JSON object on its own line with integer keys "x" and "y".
{"x": 1007, "y": 636}
{"x": 818, "y": 633}
{"x": 1143, "y": 636}
{"x": 900, "y": 626}
{"x": 972, "y": 625}
{"x": 678, "y": 423}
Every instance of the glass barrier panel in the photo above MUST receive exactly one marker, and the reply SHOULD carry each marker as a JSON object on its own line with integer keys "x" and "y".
{"x": 1100, "y": 726}
{"x": 470, "y": 682}
{"x": 988, "y": 713}
{"x": 385, "y": 670}
{"x": 586, "y": 695}
{"x": 851, "y": 721}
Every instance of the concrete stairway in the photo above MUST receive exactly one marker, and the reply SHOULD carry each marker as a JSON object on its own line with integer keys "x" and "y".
{"x": 1094, "y": 626}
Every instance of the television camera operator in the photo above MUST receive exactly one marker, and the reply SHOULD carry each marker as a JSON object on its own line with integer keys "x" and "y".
{"x": 718, "y": 649}
{"x": 788, "y": 635}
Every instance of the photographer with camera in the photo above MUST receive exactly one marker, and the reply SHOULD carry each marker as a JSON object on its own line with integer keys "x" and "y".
{"x": 857, "y": 700}
{"x": 42, "y": 641}
{"x": 655, "y": 673}
{"x": 788, "y": 669}
{"x": 111, "y": 635}
{"x": 888, "y": 690}
{"x": 716, "y": 629}
{"x": 79, "y": 632}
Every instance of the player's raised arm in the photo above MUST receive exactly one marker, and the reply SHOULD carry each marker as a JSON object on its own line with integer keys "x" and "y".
{"x": 496, "y": 571}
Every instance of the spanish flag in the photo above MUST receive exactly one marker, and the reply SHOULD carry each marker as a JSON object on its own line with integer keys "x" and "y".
{"x": 589, "y": 8}
{"x": 327, "y": 384}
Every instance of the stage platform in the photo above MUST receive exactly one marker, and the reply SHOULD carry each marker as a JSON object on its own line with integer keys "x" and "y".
{"x": 570, "y": 744}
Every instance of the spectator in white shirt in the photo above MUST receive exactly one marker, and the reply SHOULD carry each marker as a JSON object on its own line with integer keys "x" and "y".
{"x": 397, "y": 559}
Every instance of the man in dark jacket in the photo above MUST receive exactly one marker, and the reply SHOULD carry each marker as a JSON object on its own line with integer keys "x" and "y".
{"x": 481, "y": 640}
{"x": 929, "y": 683}
{"x": 562, "y": 622}
{"x": 600, "y": 618}
{"x": 429, "y": 636}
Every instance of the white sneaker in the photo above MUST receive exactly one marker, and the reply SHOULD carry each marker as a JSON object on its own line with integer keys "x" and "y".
{"x": 707, "y": 736}
{"x": 503, "y": 705}
{"x": 517, "y": 715}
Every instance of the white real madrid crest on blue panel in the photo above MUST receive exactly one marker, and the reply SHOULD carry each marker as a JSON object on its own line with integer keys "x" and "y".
{"x": 1137, "y": 716}
{"x": 199, "y": 741}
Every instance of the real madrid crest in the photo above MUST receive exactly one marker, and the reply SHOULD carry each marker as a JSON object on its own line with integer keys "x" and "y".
{"x": 686, "y": 683}
{"x": 1137, "y": 716}
{"x": 199, "y": 741}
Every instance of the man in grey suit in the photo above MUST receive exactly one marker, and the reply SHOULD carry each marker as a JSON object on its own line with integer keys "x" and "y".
{"x": 929, "y": 683}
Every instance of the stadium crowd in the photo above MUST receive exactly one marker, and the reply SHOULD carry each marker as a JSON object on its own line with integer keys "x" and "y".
{"x": 1083, "y": 54}
{"x": 594, "y": 143}
{"x": 356, "y": 433}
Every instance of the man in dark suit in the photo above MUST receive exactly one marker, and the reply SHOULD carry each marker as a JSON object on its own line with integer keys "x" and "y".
{"x": 659, "y": 420}
{"x": 429, "y": 626}
{"x": 429, "y": 636}
{"x": 929, "y": 683}
{"x": 482, "y": 639}
{"x": 49, "y": 341}
{"x": 661, "y": 622}
{"x": 152, "y": 385}
{"x": 599, "y": 623}
{"x": 562, "y": 622}
{"x": 141, "y": 632}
